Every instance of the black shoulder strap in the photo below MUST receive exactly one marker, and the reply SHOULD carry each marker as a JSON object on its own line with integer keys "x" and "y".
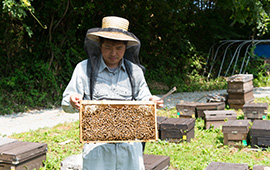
{"x": 131, "y": 78}
{"x": 90, "y": 76}
{"x": 93, "y": 65}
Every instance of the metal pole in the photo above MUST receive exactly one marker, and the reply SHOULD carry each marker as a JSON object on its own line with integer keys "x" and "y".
{"x": 225, "y": 56}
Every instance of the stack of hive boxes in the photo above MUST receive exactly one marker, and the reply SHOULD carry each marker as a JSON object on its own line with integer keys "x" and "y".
{"x": 240, "y": 90}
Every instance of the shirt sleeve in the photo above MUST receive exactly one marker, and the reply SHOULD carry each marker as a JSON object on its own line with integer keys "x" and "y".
{"x": 142, "y": 91}
{"x": 75, "y": 86}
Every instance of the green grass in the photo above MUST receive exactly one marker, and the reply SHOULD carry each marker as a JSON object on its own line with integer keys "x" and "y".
{"x": 205, "y": 147}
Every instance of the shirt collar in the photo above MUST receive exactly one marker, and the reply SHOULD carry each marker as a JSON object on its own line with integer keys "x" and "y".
{"x": 103, "y": 66}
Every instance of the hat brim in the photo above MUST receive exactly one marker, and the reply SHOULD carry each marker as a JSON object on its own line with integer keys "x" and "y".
{"x": 113, "y": 35}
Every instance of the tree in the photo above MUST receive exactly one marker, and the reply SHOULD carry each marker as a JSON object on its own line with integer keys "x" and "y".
{"x": 254, "y": 13}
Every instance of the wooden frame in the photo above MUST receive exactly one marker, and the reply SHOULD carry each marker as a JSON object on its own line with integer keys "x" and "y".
{"x": 111, "y": 121}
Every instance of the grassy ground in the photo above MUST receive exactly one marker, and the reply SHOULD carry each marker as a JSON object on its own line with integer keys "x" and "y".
{"x": 205, "y": 147}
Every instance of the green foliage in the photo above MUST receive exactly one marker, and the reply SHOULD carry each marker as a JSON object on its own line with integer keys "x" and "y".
{"x": 262, "y": 80}
{"x": 42, "y": 41}
{"x": 254, "y": 13}
{"x": 16, "y": 10}
{"x": 33, "y": 78}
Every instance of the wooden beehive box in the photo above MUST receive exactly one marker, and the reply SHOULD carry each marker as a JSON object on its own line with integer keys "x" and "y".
{"x": 260, "y": 167}
{"x": 109, "y": 121}
{"x": 226, "y": 166}
{"x": 186, "y": 109}
{"x": 217, "y": 117}
{"x": 260, "y": 133}
{"x": 255, "y": 111}
{"x": 156, "y": 162}
{"x": 201, "y": 107}
{"x": 160, "y": 119}
{"x": 20, "y": 155}
{"x": 236, "y": 131}
{"x": 240, "y": 83}
{"x": 177, "y": 129}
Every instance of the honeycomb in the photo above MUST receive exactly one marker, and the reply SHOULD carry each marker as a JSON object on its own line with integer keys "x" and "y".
{"x": 116, "y": 122}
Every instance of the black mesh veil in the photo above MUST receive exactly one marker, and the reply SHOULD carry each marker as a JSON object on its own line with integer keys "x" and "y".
{"x": 92, "y": 49}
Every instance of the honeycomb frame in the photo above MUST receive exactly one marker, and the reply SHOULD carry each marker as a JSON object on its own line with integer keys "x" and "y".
{"x": 123, "y": 121}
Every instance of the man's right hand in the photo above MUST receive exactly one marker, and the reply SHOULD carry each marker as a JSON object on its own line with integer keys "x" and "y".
{"x": 75, "y": 100}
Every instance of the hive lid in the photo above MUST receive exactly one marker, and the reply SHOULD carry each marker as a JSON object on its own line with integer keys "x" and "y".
{"x": 226, "y": 166}
{"x": 236, "y": 126}
{"x": 211, "y": 105}
{"x": 261, "y": 125}
{"x": 237, "y": 123}
{"x": 240, "y": 78}
{"x": 156, "y": 161}
{"x": 20, "y": 151}
{"x": 175, "y": 123}
{"x": 191, "y": 104}
{"x": 257, "y": 105}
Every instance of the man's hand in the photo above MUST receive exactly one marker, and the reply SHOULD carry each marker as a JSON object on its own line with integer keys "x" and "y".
{"x": 157, "y": 100}
{"x": 75, "y": 100}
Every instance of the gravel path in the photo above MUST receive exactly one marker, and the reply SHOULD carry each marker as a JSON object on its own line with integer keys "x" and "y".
{"x": 33, "y": 120}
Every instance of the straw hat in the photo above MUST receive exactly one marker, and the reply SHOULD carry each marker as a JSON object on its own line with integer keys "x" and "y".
{"x": 115, "y": 28}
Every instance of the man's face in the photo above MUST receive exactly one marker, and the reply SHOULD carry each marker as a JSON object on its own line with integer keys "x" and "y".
{"x": 112, "y": 52}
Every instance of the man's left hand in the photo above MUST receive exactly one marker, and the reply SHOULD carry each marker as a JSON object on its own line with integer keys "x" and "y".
{"x": 157, "y": 100}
